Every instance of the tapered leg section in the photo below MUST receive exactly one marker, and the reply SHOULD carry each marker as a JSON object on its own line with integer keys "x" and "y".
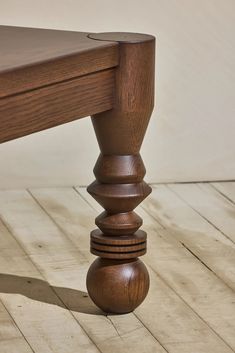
{"x": 118, "y": 281}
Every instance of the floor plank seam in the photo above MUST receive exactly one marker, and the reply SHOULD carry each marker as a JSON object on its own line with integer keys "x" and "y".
{"x": 66, "y": 235}
{"x": 56, "y": 224}
{"x": 222, "y": 194}
{"x": 206, "y": 219}
{"x": 60, "y": 300}
{"x": 17, "y": 325}
{"x": 46, "y": 201}
{"x": 75, "y": 188}
{"x": 197, "y": 258}
{"x": 204, "y": 264}
{"x": 185, "y": 302}
{"x": 161, "y": 344}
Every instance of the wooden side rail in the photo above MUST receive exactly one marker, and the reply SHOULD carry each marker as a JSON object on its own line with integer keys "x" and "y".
{"x": 56, "y": 104}
{"x": 117, "y": 90}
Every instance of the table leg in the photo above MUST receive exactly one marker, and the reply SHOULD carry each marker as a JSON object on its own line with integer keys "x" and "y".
{"x": 118, "y": 281}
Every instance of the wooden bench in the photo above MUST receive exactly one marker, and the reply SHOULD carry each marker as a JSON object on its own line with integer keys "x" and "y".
{"x": 50, "y": 77}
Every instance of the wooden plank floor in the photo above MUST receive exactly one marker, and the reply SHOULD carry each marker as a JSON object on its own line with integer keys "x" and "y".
{"x": 44, "y": 257}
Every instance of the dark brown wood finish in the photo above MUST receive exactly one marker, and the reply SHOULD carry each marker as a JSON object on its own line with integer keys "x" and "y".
{"x": 48, "y": 78}
{"x": 57, "y": 104}
{"x": 31, "y": 58}
{"x": 113, "y": 284}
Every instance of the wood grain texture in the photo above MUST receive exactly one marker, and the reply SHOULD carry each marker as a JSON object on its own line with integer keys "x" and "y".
{"x": 118, "y": 247}
{"x": 126, "y": 93}
{"x": 174, "y": 207}
{"x": 164, "y": 313}
{"x": 227, "y": 189}
{"x": 54, "y": 105}
{"x": 214, "y": 207}
{"x": 119, "y": 223}
{"x": 173, "y": 239}
{"x": 134, "y": 98}
{"x": 49, "y": 327}
{"x": 12, "y": 340}
{"x": 32, "y": 57}
{"x": 119, "y": 187}
{"x": 117, "y": 286}
{"x": 111, "y": 169}
{"x": 191, "y": 276}
{"x": 62, "y": 259}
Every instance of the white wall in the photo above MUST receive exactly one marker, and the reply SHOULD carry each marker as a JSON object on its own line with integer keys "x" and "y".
{"x": 192, "y": 131}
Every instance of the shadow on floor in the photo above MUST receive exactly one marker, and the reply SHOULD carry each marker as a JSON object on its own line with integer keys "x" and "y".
{"x": 42, "y": 291}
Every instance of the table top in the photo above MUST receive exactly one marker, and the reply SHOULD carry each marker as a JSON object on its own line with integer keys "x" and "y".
{"x": 32, "y": 57}
{"x": 28, "y": 46}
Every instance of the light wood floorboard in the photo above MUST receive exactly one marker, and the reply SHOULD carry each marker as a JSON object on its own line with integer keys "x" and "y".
{"x": 44, "y": 257}
{"x": 194, "y": 282}
{"x": 64, "y": 267}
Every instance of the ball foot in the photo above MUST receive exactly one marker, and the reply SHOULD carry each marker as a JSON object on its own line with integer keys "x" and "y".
{"x": 117, "y": 286}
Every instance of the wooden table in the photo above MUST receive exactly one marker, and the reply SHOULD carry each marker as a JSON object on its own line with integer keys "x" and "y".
{"x": 48, "y": 78}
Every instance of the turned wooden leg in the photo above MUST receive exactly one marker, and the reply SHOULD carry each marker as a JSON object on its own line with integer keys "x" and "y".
{"x": 118, "y": 281}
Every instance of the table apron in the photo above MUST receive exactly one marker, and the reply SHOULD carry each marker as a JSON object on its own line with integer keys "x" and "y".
{"x": 56, "y": 104}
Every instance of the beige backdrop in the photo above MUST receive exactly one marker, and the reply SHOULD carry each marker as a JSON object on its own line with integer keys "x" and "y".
{"x": 192, "y": 132}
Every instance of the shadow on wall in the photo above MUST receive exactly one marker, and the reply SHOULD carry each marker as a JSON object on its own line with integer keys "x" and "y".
{"x": 42, "y": 291}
